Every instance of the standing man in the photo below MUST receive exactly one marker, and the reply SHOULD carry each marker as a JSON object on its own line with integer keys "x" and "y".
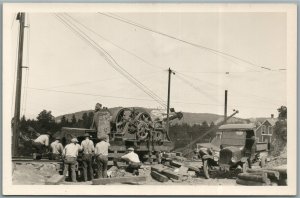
{"x": 88, "y": 149}
{"x": 133, "y": 159}
{"x": 41, "y": 144}
{"x": 101, "y": 152}
{"x": 56, "y": 149}
{"x": 70, "y": 154}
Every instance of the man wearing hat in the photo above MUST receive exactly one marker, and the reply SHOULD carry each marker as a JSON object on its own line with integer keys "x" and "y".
{"x": 40, "y": 144}
{"x": 101, "y": 153}
{"x": 133, "y": 159}
{"x": 70, "y": 154}
{"x": 88, "y": 149}
{"x": 56, "y": 149}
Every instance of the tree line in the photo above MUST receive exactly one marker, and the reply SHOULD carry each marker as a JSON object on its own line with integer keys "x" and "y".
{"x": 45, "y": 122}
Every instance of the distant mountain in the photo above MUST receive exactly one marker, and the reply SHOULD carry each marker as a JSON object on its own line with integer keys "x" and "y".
{"x": 189, "y": 118}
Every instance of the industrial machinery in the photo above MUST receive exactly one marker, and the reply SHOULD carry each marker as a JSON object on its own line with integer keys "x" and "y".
{"x": 131, "y": 127}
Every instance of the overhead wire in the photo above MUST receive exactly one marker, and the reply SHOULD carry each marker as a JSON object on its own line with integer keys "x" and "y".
{"x": 186, "y": 81}
{"x": 114, "y": 44}
{"x": 116, "y": 17}
{"x": 127, "y": 74}
{"x": 112, "y": 62}
{"x": 132, "y": 98}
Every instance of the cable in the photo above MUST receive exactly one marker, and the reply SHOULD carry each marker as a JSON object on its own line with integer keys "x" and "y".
{"x": 88, "y": 94}
{"x": 195, "y": 87}
{"x": 181, "y": 40}
{"x": 141, "y": 99}
{"x": 112, "y": 43}
{"x": 93, "y": 81}
{"x": 110, "y": 59}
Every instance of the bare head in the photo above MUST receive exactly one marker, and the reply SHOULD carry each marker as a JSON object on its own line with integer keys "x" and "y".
{"x": 98, "y": 106}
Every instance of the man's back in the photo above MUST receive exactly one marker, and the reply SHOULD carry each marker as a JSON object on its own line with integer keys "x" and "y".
{"x": 43, "y": 139}
{"x": 102, "y": 148}
{"x": 72, "y": 150}
{"x": 133, "y": 157}
{"x": 87, "y": 146}
{"x": 57, "y": 147}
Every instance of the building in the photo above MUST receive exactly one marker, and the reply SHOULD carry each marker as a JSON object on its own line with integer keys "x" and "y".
{"x": 264, "y": 132}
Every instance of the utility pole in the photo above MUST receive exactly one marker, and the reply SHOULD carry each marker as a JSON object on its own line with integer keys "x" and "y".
{"x": 225, "y": 106}
{"x": 168, "y": 105}
{"x": 16, "y": 119}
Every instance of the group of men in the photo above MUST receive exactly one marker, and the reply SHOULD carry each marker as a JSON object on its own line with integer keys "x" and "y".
{"x": 90, "y": 153}
{"x": 99, "y": 153}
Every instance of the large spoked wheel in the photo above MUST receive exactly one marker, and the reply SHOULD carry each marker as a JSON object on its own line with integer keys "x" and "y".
{"x": 122, "y": 120}
{"x": 206, "y": 169}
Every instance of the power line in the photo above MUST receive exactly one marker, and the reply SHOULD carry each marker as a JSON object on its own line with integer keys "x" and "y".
{"x": 112, "y": 62}
{"x": 131, "y": 98}
{"x": 195, "y": 87}
{"x": 121, "y": 70}
{"x": 93, "y": 81}
{"x": 112, "y": 43}
{"x": 181, "y": 40}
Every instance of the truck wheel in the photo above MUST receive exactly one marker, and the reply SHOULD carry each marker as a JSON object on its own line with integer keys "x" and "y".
{"x": 206, "y": 169}
{"x": 263, "y": 161}
{"x": 245, "y": 166}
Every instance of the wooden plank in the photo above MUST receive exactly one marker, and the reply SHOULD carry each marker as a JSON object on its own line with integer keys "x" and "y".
{"x": 158, "y": 168}
{"x": 159, "y": 177}
{"x": 282, "y": 172}
{"x": 171, "y": 174}
{"x": 55, "y": 179}
{"x": 183, "y": 170}
{"x": 176, "y": 164}
{"x": 249, "y": 183}
{"x": 193, "y": 168}
{"x": 273, "y": 175}
{"x": 253, "y": 177}
{"x": 133, "y": 179}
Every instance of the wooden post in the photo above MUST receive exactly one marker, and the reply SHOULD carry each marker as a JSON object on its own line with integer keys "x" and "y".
{"x": 16, "y": 119}
{"x": 225, "y": 106}
{"x": 168, "y": 103}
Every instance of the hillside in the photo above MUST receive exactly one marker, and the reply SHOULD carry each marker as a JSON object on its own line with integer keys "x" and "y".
{"x": 189, "y": 118}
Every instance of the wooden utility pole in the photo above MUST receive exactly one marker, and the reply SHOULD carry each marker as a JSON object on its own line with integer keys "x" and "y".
{"x": 225, "y": 106}
{"x": 16, "y": 119}
{"x": 168, "y": 105}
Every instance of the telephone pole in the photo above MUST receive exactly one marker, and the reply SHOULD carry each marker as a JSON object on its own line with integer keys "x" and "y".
{"x": 168, "y": 105}
{"x": 16, "y": 119}
{"x": 225, "y": 105}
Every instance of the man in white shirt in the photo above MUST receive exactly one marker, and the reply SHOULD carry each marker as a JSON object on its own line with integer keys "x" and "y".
{"x": 88, "y": 150}
{"x": 70, "y": 154}
{"x": 56, "y": 148}
{"x": 40, "y": 144}
{"x": 133, "y": 159}
{"x": 101, "y": 153}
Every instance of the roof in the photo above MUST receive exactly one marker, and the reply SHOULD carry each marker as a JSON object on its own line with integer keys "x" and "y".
{"x": 250, "y": 126}
{"x": 272, "y": 121}
{"x": 209, "y": 145}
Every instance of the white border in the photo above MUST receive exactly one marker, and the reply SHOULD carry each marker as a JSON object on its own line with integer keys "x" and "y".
{"x": 289, "y": 9}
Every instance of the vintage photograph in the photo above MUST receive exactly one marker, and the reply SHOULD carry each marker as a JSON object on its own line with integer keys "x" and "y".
{"x": 149, "y": 96}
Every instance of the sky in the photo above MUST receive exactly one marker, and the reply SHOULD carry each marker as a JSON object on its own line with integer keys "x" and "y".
{"x": 67, "y": 75}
